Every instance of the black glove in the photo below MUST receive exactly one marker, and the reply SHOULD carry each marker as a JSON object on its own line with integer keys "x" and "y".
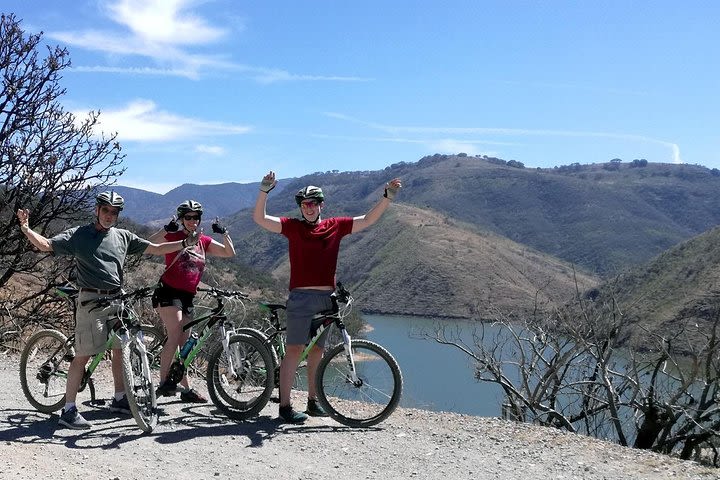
{"x": 217, "y": 228}
{"x": 172, "y": 226}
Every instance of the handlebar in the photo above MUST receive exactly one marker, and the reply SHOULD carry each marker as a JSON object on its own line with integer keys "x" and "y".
{"x": 341, "y": 293}
{"x": 217, "y": 292}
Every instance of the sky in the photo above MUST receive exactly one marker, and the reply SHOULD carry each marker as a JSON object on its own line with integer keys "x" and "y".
{"x": 215, "y": 91}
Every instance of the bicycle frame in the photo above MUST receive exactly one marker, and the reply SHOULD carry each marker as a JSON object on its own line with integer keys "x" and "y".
{"x": 215, "y": 315}
{"x": 321, "y": 322}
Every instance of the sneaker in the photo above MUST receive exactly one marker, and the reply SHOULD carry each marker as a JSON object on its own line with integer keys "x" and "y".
{"x": 120, "y": 406}
{"x": 73, "y": 419}
{"x": 291, "y": 416}
{"x": 314, "y": 409}
{"x": 192, "y": 396}
{"x": 166, "y": 389}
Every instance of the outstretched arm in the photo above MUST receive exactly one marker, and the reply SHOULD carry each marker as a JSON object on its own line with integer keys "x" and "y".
{"x": 268, "y": 222}
{"x": 364, "y": 221}
{"x": 39, "y": 241}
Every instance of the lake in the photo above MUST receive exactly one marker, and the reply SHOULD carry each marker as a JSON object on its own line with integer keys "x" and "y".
{"x": 436, "y": 377}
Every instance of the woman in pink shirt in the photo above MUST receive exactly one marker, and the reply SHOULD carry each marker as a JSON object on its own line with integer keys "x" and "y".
{"x": 173, "y": 299}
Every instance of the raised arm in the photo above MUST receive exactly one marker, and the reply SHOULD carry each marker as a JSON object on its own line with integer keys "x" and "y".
{"x": 364, "y": 221}
{"x": 225, "y": 249}
{"x": 268, "y": 222}
{"x": 170, "y": 247}
{"x": 39, "y": 241}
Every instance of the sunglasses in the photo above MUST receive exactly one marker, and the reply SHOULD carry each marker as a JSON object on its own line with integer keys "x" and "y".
{"x": 191, "y": 217}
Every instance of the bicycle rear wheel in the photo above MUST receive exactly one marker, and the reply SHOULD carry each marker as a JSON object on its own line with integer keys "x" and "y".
{"x": 372, "y": 398}
{"x": 44, "y": 365}
{"x": 139, "y": 387}
{"x": 240, "y": 381}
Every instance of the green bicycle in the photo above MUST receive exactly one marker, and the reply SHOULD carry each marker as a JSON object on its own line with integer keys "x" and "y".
{"x": 46, "y": 358}
{"x": 359, "y": 382}
{"x": 229, "y": 361}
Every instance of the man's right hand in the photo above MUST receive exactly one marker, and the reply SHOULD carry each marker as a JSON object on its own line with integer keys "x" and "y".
{"x": 23, "y": 216}
{"x": 268, "y": 182}
{"x": 172, "y": 226}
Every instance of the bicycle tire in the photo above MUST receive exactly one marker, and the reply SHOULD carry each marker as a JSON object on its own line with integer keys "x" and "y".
{"x": 154, "y": 338}
{"x": 368, "y": 403}
{"x": 44, "y": 365}
{"x": 139, "y": 387}
{"x": 262, "y": 338}
{"x": 245, "y": 394}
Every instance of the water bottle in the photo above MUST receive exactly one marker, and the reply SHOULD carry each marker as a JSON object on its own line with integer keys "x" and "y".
{"x": 191, "y": 341}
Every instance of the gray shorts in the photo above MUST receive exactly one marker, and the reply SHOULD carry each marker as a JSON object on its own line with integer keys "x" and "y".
{"x": 92, "y": 327}
{"x": 301, "y": 306}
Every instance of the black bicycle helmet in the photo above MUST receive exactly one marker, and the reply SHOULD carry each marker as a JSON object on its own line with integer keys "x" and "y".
{"x": 310, "y": 192}
{"x": 110, "y": 198}
{"x": 189, "y": 206}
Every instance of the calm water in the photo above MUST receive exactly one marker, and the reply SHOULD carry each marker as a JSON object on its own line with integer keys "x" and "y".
{"x": 436, "y": 377}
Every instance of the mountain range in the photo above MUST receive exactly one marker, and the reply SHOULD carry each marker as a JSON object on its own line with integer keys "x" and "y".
{"x": 474, "y": 236}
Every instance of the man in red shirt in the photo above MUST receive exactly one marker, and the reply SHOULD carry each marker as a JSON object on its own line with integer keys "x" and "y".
{"x": 314, "y": 244}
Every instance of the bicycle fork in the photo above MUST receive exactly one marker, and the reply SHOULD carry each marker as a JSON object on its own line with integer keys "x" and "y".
{"x": 351, "y": 376}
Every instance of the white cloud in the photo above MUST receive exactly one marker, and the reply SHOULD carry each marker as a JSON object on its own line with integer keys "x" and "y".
{"x": 210, "y": 150}
{"x": 165, "y": 22}
{"x": 141, "y": 120}
{"x": 165, "y": 32}
{"x": 428, "y": 135}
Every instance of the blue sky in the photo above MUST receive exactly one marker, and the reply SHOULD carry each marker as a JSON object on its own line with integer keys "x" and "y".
{"x": 220, "y": 91}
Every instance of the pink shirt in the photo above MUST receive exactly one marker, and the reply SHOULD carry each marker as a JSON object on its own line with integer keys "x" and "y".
{"x": 314, "y": 249}
{"x": 185, "y": 272}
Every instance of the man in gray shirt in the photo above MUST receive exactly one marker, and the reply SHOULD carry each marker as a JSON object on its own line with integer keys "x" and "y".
{"x": 99, "y": 250}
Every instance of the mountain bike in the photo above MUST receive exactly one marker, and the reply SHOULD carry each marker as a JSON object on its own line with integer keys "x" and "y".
{"x": 359, "y": 383}
{"x": 228, "y": 362}
{"x": 46, "y": 358}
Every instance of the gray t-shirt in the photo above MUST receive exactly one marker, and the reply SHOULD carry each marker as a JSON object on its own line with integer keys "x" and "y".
{"x": 99, "y": 255}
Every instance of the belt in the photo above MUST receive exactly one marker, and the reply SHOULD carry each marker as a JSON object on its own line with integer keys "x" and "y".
{"x": 100, "y": 291}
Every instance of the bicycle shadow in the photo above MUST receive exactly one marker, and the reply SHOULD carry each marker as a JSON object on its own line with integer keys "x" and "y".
{"x": 32, "y": 427}
{"x": 110, "y": 430}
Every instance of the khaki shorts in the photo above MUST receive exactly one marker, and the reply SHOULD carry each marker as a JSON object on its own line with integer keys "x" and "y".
{"x": 92, "y": 327}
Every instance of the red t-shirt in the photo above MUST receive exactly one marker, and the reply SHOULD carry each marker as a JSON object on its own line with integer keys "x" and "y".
{"x": 185, "y": 273}
{"x": 314, "y": 249}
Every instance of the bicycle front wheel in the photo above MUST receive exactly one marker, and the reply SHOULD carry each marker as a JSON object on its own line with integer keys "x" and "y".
{"x": 44, "y": 365}
{"x": 154, "y": 338}
{"x": 240, "y": 380}
{"x": 139, "y": 388}
{"x": 367, "y": 401}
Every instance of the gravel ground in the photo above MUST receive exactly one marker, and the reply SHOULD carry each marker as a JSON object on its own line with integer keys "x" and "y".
{"x": 197, "y": 442}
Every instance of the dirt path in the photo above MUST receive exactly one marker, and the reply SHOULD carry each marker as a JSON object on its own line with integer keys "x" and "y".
{"x": 197, "y": 442}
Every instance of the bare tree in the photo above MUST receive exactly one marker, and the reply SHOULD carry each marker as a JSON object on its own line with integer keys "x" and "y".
{"x": 571, "y": 370}
{"x": 50, "y": 161}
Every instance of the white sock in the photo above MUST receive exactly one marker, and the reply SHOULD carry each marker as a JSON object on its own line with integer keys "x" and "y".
{"x": 68, "y": 406}
{"x": 119, "y": 396}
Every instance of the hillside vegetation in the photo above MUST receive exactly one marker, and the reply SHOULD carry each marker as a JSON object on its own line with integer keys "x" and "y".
{"x": 677, "y": 293}
{"x": 603, "y": 217}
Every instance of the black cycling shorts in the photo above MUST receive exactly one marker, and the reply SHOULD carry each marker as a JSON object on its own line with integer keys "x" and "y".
{"x": 165, "y": 296}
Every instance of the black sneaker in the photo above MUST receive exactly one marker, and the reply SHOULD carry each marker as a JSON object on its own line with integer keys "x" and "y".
{"x": 291, "y": 416}
{"x": 192, "y": 396}
{"x": 72, "y": 419}
{"x": 166, "y": 389}
{"x": 314, "y": 409}
{"x": 120, "y": 406}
